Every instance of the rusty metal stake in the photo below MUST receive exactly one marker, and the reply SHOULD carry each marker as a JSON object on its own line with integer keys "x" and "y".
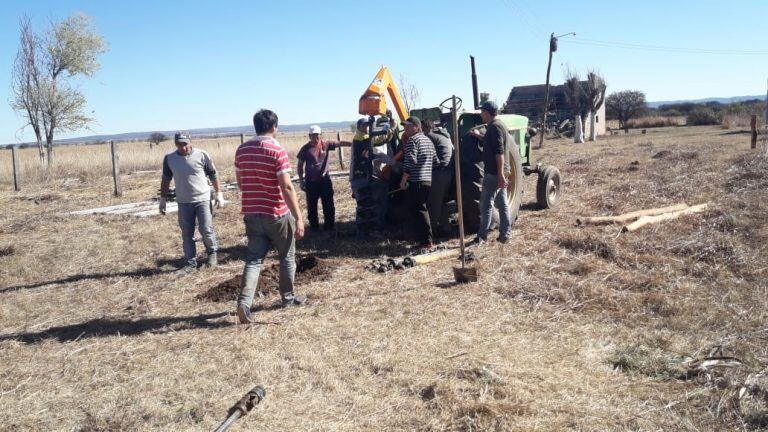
{"x": 243, "y": 407}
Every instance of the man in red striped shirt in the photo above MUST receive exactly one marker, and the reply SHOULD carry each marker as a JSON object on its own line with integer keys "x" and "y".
{"x": 270, "y": 211}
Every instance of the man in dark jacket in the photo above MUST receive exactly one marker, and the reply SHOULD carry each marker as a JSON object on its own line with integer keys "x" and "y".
{"x": 442, "y": 175}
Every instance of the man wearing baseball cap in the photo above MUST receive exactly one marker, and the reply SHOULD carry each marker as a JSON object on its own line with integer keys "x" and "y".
{"x": 315, "y": 180}
{"x": 496, "y": 163}
{"x": 418, "y": 158}
{"x": 189, "y": 167}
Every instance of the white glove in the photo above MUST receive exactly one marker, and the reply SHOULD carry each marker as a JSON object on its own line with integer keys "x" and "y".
{"x": 219, "y": 200}
{"x": 161, "y": 206}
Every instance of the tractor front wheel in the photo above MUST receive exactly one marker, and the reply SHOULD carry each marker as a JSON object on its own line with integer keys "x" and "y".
{"x": 548, "y": 187}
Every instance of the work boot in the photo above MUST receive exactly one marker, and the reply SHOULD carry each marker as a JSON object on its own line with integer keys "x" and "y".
{"x": 213, "y": 260}
{"x": 294, "y": 300}
{"x": 244, "y": 314}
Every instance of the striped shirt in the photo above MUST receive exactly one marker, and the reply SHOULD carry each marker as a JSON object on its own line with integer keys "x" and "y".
{"x": 419, "y": 158}
{"x": 260, "y": 161}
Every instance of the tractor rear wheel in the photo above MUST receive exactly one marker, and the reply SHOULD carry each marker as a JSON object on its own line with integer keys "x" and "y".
{"x": 548, "y": 187}
{"x": 515, "y": 183}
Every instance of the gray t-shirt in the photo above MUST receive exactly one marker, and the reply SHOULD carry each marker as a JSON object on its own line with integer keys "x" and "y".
{"x": 189, "y": 174}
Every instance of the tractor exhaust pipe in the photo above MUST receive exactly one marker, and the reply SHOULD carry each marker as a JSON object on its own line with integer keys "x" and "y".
{"x": 475, "y": 96}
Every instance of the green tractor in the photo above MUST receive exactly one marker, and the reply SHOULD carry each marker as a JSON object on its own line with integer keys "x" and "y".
{"x": 548, "y": 186}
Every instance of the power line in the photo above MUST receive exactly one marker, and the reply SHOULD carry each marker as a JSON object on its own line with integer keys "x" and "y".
{"x": 519, "y": 12}
{"x": 658, "y": 48}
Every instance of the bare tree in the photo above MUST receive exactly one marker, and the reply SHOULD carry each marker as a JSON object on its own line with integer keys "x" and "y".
{"x": 156, "y": 138}
{"x": 42, "y": 72}
{"x": 594, "y": 93}
{"x": 625, "y": 105}
{"x": 25, "y": 83}
{"x": 409, "y": 92}
{"x": 576, "y": 96}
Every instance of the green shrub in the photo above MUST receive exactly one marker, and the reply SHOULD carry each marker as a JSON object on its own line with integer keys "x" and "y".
{"x": 703, "y": 117}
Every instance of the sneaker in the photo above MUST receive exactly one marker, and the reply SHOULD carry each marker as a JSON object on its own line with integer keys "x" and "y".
{"x": 296, "y": 300}
{"x": 502, "y": 240}
{"x": 213, "y": 260}
{"x": 186, "y": 270}
{"x": 477, "y": 241}
{"x": 244, "y": 314}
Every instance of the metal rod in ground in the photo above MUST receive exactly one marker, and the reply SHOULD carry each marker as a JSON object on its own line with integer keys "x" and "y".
{"x": 457, "y": 168}
{"x": 242, "y": 407}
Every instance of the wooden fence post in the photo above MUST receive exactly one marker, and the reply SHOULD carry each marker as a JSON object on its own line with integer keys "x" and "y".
{"x": 753, "y": 125}
{"x": 116, "y": 169}
{"x": 341, "y": 150}
{"x": 242, "y": 138}
{"x": 16, "y": 173}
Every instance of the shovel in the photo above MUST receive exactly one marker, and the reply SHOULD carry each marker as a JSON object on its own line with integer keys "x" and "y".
{"x": 464, "y": 273}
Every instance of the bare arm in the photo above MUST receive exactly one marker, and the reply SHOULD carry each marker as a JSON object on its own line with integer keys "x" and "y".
{"x": 289, "y": 193}
{"x": 216, "y": 185}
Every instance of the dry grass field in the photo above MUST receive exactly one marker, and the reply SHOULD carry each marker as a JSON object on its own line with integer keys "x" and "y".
{"x": 569, "y": 327}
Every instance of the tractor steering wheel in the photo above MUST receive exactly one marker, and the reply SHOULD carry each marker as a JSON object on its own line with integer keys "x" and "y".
{"x": 447, "y": 105}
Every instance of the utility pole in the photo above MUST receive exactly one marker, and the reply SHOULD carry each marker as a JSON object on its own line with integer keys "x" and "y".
{"x": 552, "y": 49}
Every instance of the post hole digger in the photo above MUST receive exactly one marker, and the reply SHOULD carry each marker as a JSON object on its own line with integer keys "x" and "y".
{"x": 242, "y": 407}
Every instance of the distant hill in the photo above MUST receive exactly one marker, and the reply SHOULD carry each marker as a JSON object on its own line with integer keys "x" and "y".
{"x": 722, "y": 100}
{"x": 198, "y": 133}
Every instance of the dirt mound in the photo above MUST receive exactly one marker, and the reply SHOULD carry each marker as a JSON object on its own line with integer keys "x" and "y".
{"x": 662, "y": 154}
{"x": 308, "y": 269}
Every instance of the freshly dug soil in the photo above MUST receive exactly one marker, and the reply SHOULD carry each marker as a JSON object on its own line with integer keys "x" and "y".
{"x": 308, "y": 269}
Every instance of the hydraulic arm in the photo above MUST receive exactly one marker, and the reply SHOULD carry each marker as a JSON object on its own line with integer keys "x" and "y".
{"x": 372, "y": 102}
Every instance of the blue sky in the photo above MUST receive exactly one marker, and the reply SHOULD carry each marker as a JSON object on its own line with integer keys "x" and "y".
{"x": 177, "y": 65}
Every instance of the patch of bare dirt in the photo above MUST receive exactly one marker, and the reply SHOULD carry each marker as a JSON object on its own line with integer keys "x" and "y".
{"x": 308, "y": 269}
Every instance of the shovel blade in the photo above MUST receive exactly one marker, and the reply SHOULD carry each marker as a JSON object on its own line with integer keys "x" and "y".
{"x": 465, "y": 274}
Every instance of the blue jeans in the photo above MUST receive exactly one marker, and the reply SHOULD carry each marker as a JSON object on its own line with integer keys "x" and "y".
{"x": 489, "y": 195}
{"x": 263, "y": 232}
{"x": 199, "y": 212}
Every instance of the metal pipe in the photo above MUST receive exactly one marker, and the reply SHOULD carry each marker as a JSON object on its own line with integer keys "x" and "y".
{"x": 475, "y": 96}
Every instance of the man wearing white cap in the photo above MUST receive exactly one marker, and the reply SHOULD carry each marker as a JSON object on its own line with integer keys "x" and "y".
{"x": 315, "y": 180}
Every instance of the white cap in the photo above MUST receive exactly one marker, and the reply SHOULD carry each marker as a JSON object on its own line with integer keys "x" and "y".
{"x": 315, "y": 129}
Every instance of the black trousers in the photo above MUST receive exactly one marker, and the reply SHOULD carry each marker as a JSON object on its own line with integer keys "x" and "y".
{"x": 322, "y": 190}
{"x": 416, "y": 197}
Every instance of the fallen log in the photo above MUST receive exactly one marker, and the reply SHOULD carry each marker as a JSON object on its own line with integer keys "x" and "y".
{"x": 647, "y": 220}
{"x": 626, "y": 217}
